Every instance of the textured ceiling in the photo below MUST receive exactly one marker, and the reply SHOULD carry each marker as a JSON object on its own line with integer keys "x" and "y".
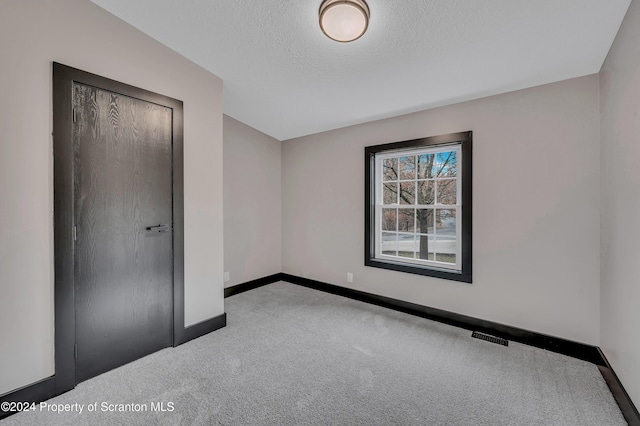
{"x": 284, "y": 77}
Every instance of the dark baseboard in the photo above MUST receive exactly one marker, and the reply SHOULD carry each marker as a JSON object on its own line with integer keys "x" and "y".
{"x": 629, "y": 410}
{"x": 550, "y": 343}
{"x": 33, "y": 393}
{"x": 46, "y": 388}
{"x": 201, "y": 328}
{"x": 250, "y": 285}
{"x": 570, "y": 348}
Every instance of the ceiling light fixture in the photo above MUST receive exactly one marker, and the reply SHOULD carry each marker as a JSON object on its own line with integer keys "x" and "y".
{"x": 344, "y": 20}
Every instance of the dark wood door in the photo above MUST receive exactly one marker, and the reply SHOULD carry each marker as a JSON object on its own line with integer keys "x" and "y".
{"x": 123, "y": 270}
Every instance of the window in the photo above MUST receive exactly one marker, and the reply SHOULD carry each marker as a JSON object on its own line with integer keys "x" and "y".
{"x": 418, "y": 206}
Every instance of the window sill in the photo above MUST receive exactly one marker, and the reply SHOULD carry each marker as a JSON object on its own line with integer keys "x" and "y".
{"x": 429, "y": 271}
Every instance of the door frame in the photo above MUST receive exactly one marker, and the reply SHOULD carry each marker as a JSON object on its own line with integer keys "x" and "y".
{"x": 64, "y": 286}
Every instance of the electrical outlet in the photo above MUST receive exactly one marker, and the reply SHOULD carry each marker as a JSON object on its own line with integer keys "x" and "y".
{"x": 349, "y": 277}
{"x": 226, "y": 277}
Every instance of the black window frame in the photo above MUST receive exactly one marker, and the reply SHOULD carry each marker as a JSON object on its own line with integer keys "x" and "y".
{"x": 465, "y": 141}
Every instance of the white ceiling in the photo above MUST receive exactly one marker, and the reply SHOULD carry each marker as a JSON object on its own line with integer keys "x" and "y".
{"x": 284, "y": 77}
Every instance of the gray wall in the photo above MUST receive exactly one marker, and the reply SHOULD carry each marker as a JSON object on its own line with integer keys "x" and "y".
{"x": 252, "y": 203}
{"x": 33, "y": 33}
{"x": 620, "y": 179}
{"x": 536, "y": 247}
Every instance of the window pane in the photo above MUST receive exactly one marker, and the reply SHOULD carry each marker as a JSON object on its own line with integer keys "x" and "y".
{"x": 424, "y": 247}
{"x": 406, "y": 245}
{"x": 446, "y": 164}
{"x": 389, "y": 220}
{"x": 406, "y": 220}
{"x": 390, "y": 169}
{"x": 388, "y": 243}
{"x": 412, "y": 223}
{"x": 425, "y": 192}
{"x": 407, "y": 192}
{"x": 425, "y": 166}
{"x": 445, "y": 249}
{"x": 390, "y": 193}
{"x": 446, "y": 222}
{"x": 424, "y": 222}
{"x": 447, "y": 191}
{"x": 408, "y": 167}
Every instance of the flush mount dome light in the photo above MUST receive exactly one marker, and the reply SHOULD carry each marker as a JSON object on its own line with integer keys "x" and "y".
{"x": 344, "y": 20}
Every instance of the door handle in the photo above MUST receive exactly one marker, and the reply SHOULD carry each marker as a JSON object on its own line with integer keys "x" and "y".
{"x": 159, "y": 228}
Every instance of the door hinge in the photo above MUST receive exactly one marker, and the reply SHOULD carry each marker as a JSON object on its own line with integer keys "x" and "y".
{"x": 74, "y": 115}
{"x": 75, "y": 351}
{"x": 75, "y": 233}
